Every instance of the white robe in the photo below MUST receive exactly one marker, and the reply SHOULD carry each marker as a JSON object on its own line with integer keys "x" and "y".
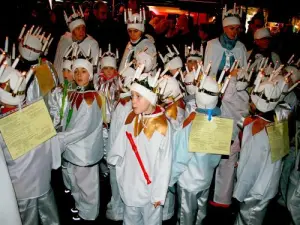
{"x": 9, "y": 213}
{"x": 156, "y": 155}
{"x": 64, "y": 43}
{"x": 214, "y": 53}
{"x": 143, "y": 45}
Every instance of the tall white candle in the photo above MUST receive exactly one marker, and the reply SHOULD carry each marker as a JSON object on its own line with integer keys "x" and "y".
{"x": 22, "y": 32}
{"x": 290, "y": 60}
{"x": 221, "y": 76}
{"x": 15, "y": 63}
{"x": 6, "y": 45}
{"x": 250, "y": 75}
{"x": 13, "y": 55}
{"x": 225, "y": 85}
{"x": 291, "y": 88}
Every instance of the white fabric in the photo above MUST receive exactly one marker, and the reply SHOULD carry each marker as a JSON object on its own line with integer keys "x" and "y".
{"x": 137, "y": 26}
{"x": 83, "y": 63}
{"x": 156, "y": 155}
{"x": 64, "y": 43}
{"x": 262, "y": 33}
{"x": 83, "y": 132}
{"x": 145, "y": 92}
{"x": 206, "y": 101}
{"x": 175, "y": 63}
{"x": 257, "y": 176}
{"x": 231, "y": 20}
{"x": 67, "y": 64}
{"x": 192, "y": 171}
{"x": 214, "y": 53}
{"x": 33, "y": 42}
{"x": 75, "y": 24}
{"x": 141, "y": 46}
{"x": 146, "y": 59}
{"x": 169, "y": 87}
{"x": 9, "y": 213}
{"x": 108, "y": 61}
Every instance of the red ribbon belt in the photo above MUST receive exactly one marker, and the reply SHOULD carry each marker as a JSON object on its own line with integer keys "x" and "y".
{"x": 135, "y": 150}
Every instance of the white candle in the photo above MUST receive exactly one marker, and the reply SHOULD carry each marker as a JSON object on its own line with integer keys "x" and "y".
{"x": 73, "y": 9}
{"x": 290, "y": 60}
{"x": 6, "y": 45}
{"x": 208, "y": 67}
{"x": 28, "y": 75}
{"x": 248, "y": 66}
{"x": 16, "y": 62}
{"x": 141, "y": 16}
{"x": 259, "y": 78}
{"x": 225, "y": 85}
{"x": 192, "y": 48}
{"x": 2, "y": 68}
{"x": 201, "y": 50}
{"x": 234, "y": 8}
{"x": 19, "y": 82}
{"x": 144, "y": 13}
{"x": 109, "y": 48}
{"x": 31, "y": 29}
{"x": 266, "y": 62}
{"x": 125, "y": 16}
{"x": 161, "y": 57}
{"x": 42, "y": 36}
{"x": 39, "y": 31}
{"x": 261, "y": 63}
{"x": 233, "y": 65}
{"x": 117, "y": 53}
{"x": 177, "y": 52}
{"x": 22, "y": 32}
{"x": 81, "y": 12}
{"x": 222, "y": 76}
{"x": 237, "y": 64}
{"x": 13, "y": 56}
{"x": 50, "y": 41}
{"x": 250, "y": 75}
{"x": 170, "y": 50}
{"x": 45, "y": 45}
{"x": 35, "y": 31}
{"x": 291, "y": 88}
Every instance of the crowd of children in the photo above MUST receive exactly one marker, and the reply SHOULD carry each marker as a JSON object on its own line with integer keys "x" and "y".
{"x": 133, "y": 122}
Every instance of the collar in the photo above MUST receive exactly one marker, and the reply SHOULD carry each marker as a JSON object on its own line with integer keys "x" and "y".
{"x": 5, "y": 110}
{"x": 259, "y": 121}
{"x": 138, "y": 41}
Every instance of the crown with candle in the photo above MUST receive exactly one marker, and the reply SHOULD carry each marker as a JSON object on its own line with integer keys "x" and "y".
{"x": 172, "y": 59}
{"x": 232, "y": 16}
{"x": 193, "y": 54}
{"x": 74, "y": 20}
{"x": 136, "y": 20}
{"x": 6, "y": 54}
{"x": 147, "y": 85}
{"x": 168, "y": 90}
{"x": 109, "y": 59}
{"x": 33, "y": 43}
{"x": 81, "y": 60}
{"x": 208, "y": 90}
{"x": 13, "y": 84}
{"x": 293, "y": 73}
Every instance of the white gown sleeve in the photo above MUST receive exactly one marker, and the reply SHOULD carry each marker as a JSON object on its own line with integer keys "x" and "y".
{"x": 164, "y": 163}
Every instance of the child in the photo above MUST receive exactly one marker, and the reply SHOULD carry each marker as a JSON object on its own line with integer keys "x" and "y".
{"x": 171, "y": 100}
{"x": 31, "y": 173}
{"x": 172, "y": 61}
{"x": 193, "y": 172}
{"x": 257, "y": 176}
{"x": 234, "y": 105}
{"x": 193, "y": 57}
{"x": 142, "y": 154}
{"x": 82, "y": 139}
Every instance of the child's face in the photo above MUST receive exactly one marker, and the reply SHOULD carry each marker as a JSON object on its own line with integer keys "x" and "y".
{"x": 173, "y": 72}
{"x": 67, "y": 75}
{"x": 108, "y": 71}
{"x": 140, "y": 104}
{"x": 192, "y": 64}
{"x": 81, "y": 76}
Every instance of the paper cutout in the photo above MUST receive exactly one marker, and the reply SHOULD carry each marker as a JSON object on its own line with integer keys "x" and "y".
{"x": 26, "y": 129}
{"x": 279, "y": 140}
{"x": 213, "y": 137}
{"x": 45, "y": 79}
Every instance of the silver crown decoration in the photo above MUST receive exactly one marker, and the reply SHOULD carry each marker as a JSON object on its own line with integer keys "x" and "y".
{"x": 75, "y": 15}
{"x": 236, "y": 12}
{"x": 109, "y": 53}
{"x": 39, "y": 34}
{"x": 190, "y": 51}
{"x": 170, "y": 55}
{"x": 130, "y": 18}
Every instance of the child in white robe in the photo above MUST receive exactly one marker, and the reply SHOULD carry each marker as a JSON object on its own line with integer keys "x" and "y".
{"x": 193, "y": 172}
{"x": 82, "y": 140}
{"x": 142, "y": 154}
{"x": 257, "y": 176}
{"x": 30, "y": 173}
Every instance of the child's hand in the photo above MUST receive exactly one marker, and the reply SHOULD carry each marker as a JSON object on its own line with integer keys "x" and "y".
{"x": 156, "y": 204}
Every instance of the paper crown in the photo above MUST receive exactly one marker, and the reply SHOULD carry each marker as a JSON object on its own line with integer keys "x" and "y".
{"x": 109, "y": 59}
{"x": 80, "y": 59}
{"x": 34, "y": 43}
{"x": 13, "y": 84}
{"x": 192, "y": 54}
{"x": 135, "y": 21}
{"x": 232, "y": 16}
{"x": 169, "y": 90}
{"x": 172, "y": 59}
{"x": 76, "y": 19}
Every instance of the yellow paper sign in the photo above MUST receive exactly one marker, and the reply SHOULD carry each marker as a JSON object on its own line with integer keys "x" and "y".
{"x": 26, "y": 129}
{"x": 279, "y": 140}
{"x": 45, "y": 79}
{"x": 212, "y": 137}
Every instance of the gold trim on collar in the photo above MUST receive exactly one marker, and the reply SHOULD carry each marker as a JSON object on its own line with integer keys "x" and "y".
{"x": 172, "y": 110}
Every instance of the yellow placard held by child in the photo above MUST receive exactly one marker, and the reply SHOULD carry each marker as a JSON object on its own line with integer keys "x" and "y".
{"x": 212, "y": 137}
{"x": 279, "y": 140}
{"x": 26, "y": 129}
